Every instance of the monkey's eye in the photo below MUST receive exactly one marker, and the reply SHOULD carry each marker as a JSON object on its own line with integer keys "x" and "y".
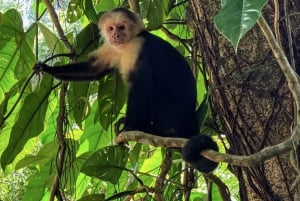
{"x": 110, "y": 28}
{"x": 121, "y": 27}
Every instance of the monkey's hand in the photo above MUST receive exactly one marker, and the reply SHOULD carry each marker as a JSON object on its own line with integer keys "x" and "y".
{"x": 39, "y": 67}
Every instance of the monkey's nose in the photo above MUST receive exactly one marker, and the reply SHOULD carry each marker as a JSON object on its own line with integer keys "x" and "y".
{"x": 116, "y": 36}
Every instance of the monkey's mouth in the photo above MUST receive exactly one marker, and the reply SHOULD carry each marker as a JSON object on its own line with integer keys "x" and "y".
{"x": 117, "y": 42}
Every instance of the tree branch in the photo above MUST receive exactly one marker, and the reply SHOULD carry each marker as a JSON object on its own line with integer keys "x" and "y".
{"x": 288, "y": 71}
{"x": 60, "y": 160}
{"x": 57, "y": 25}
{"x": 134, "y": 5}
{"x": 246, "y": 161}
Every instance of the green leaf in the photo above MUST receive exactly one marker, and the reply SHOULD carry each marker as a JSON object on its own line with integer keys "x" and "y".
{"x": 107, "y": 163}
{"x": 87, "y": 41}
{"x": 202, "y": 111}
{"x": 4, "y": 104}
{"x": 11, "y": 25}
{"x": 41, "y": 7}
{"x": 46, "y": 153}
{"x": 78, "y": 98}
{"x": 74, "y": 11}
{"x": 16, "y": 57}
{"x": 94, "y": 137}
{"x": 94, "y": 197}
{"x": 154, "y": 12}
{"x": 237, "y": 17}
{"x": 53, "y": 43}
{"x": 30, "y": 121}
{"x": 105, "y": 5}
{"x": 38, "y": 183}
{"x": 90, "y": 11}
{"x": 111, "y": 98}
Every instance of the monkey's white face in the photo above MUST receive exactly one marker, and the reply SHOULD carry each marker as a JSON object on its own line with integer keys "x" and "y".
{"x": 117, "y": 29}
{"x": 117, "y": 34}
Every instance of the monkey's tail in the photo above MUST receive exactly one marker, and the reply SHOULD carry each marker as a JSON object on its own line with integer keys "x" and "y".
{"x": 191, "y": 153}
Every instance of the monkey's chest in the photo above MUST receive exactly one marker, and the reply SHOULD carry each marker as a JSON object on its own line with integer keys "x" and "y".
{"x": 130, "y": 56}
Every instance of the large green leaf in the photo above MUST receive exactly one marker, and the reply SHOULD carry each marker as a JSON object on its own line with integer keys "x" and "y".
{"x": 78, "y": 97}
{"x": 16, "y": 57}
{"x": 38, "y": 183}
{"x": 30, "y": 121}
{"x": 111, "y": 98}
{"x": 11, "y": 25}
{"x": 87, "y": 41}
{"x": 90, "y": 11}
{"x": 45, "y": 154}
{"x": 94, "y": 137}
{"x": 106, "y": 5}
{"x": 107, "y": 163}
{"x": 237, "y": 17}
{"x": 154, "y": 12}
{"x": 52, "y": 41}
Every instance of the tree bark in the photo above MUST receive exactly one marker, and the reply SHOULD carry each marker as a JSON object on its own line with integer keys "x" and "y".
{"x": 250, "y": 97}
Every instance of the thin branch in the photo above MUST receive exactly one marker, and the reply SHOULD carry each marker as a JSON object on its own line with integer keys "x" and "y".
{"x": 289, "y": 33}
{"x": 57, "y": 25}
{"x": 176, "y": 38}
{"x": 134, "y": 5}
{"x": 276, "y": 20}
{"x": 246, "y": 161}
{"x": 62, "y": 111}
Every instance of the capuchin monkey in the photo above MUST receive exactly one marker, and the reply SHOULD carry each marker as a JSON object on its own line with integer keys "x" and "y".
{"x": 162, "y": 89}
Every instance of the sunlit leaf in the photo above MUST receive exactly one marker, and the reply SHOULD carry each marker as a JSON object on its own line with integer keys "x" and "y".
{"x": 107, "y": 163}
{"x": 46, "y": 153}
{"x": 30, "y": 121}
{"x": 16, "y": 57}
{"x": 52, "y": 41}
{"x": 90, "y": 11}
{"x": 38, "y": 183}
{"x": 105, "y": 5}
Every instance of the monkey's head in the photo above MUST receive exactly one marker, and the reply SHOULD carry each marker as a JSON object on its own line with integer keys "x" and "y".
{"x": 119, "y": 26}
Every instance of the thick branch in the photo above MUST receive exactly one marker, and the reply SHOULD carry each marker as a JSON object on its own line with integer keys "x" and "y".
{"x": 247, "y": 161}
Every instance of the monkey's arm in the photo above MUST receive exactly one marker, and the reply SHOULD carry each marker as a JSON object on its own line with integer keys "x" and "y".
{"x": 83, "y": 71}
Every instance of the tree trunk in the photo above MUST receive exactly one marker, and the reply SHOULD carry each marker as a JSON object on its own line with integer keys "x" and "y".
{"x": 250, "y": 96}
